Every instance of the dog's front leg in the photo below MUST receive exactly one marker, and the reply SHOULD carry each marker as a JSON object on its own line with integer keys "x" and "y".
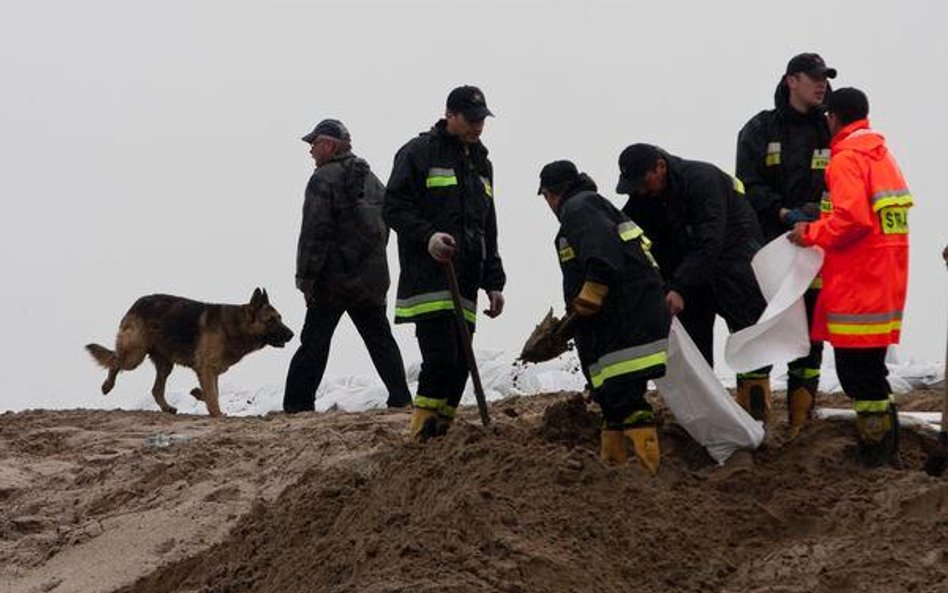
{"x": 208, "y": 381}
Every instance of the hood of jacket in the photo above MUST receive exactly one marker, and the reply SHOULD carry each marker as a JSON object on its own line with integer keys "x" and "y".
{"x": 858, "y": 136}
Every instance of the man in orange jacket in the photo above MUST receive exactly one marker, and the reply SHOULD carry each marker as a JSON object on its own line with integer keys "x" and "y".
{"x": 863, "y": 229}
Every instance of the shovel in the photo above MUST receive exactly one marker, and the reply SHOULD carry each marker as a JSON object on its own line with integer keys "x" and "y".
{"x": 938, "y": 457}
{"x": 466, "y": 342}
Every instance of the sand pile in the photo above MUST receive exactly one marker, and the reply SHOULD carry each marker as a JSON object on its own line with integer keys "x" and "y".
{"x": 340, "y": 502}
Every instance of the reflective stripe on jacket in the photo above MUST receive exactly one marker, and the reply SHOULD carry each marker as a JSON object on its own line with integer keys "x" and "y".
{"x": 864, "y": 233}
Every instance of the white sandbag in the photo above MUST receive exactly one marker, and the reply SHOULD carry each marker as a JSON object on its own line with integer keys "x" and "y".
{"x": 784, "y": 272}
{"x": 701, "y": 404}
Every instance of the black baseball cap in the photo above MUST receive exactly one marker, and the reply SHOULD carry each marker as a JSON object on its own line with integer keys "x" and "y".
{"x": 328, "y": 127}
{"x": 557, "y": 175}
{"x": 469, "y": 102}
{"x": 634, "y": 162}
{"x": 811, "y": 64}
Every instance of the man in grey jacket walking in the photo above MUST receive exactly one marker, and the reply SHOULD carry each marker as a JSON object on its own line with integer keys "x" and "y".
{"x": 341, "y": 268}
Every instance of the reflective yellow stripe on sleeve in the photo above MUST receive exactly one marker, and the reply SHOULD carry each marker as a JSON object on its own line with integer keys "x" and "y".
{"x": 888, "y": 198}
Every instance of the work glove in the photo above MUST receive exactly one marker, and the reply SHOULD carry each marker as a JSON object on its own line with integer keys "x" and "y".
{"x": 590, "y": 297}
{"x": 811, "y": 209}
{"x": 803, "y": 214}
{"x": 496, "y": 305}
{"x": 441, "y": 247}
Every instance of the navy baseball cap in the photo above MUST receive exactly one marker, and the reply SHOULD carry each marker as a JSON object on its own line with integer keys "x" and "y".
{"x": 469, "y": 102}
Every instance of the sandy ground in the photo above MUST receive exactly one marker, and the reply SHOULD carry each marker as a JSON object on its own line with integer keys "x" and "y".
{"x": 93, "y": 502}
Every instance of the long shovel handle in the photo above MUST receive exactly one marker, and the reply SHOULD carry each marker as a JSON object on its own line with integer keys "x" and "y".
{"x": 466, "y": 342}
{"x": 944, "y": 403}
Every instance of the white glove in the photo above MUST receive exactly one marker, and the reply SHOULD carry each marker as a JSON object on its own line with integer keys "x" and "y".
{"x": 441, "y": 246}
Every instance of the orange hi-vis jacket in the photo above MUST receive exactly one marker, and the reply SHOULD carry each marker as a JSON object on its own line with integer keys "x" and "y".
{"x": 863, "y": 230}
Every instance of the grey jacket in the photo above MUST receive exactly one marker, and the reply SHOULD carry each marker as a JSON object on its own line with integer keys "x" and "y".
{"x": 340, "y": 258}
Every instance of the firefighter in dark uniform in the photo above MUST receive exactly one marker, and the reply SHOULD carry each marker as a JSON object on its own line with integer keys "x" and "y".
{"x": 440, "y": 202}
{"x": 782, "y": 154}
{"x": 612, "y": 283}
{"x": 704, "y": 234}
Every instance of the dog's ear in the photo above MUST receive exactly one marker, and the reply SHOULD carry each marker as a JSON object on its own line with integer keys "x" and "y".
{"x": 266, "y": 298}
{"x": 258, "y": 299}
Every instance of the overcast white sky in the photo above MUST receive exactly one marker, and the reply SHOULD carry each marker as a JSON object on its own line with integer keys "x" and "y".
{"x": 154, "y": 147}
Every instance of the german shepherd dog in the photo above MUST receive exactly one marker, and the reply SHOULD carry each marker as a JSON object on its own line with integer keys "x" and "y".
{"x": 206, "y": 337}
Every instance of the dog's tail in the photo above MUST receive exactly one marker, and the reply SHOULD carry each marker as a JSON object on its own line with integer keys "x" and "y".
{"x": 102, "y": 355}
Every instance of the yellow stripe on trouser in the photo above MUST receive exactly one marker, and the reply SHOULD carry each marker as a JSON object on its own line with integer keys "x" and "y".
{"x": 628, "y": 360}
{"x": 639, "y": 417}
{"x": 429, "y": 403}
{"x": 753, "y": 375}
{"x": 872, "y": 406}
{"x": 804, "y": 373}
{"x": 436, "y": 405}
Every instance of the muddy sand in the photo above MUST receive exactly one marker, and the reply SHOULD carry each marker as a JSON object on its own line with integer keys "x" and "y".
{"x": 93, "y": 501}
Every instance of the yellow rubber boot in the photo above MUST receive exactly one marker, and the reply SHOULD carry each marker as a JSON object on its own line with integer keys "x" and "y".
{"x": 754, "y": 396}
{"x": 419, "y": 418}
{"x": 799, "y": 409}
{"x": 645, "y": 442}
{"x": 612, "y": 447}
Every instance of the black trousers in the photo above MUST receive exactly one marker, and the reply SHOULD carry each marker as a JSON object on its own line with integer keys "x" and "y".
{"x": 740, "y": 304}
{"x": 443, "y": 364}
{"x": 805, "y": 371}
{"x": 862, "y": 373}
{"x": 309, "y": 363}
{"x": 621, "y": 399}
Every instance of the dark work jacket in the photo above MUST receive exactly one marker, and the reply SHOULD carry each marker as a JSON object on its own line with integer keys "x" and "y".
{"x": 781, "y": 158}
{"x": 597, "y": 242}
{"x": 701, "y": 227}
{"x": 340, "y": 258}
{"x": 436, "y": 186}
